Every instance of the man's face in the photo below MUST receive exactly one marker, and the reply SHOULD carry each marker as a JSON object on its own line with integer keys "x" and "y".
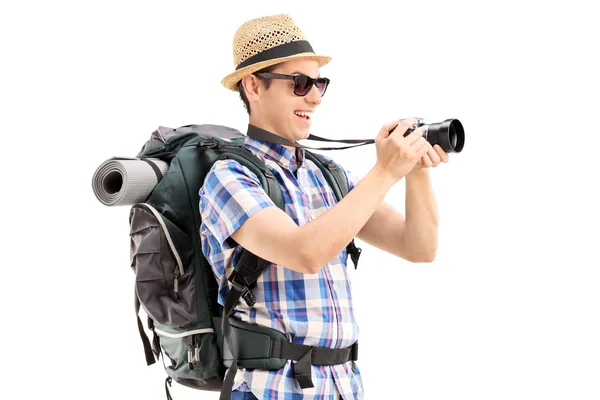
{"x": 278, "y": 108}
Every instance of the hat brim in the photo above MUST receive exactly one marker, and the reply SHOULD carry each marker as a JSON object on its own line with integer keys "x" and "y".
{"x": 231, "y": 80}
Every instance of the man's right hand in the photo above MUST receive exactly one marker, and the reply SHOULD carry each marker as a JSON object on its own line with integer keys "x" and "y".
{"x": 397, "y": 154}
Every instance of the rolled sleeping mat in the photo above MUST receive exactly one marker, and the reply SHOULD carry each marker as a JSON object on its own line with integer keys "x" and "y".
{"x": 121, "y": 181}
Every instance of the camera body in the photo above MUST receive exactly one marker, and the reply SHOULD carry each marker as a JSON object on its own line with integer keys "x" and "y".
{"x": 420, "y": 124}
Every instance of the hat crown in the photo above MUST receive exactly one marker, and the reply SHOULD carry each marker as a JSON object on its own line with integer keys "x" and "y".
{"x": 260, "y": 34}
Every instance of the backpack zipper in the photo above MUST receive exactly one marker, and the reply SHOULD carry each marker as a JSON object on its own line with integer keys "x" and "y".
{"x": 184, "y": 334}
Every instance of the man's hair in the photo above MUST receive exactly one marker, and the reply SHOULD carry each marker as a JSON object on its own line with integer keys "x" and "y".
{"x": 266, "y": 83}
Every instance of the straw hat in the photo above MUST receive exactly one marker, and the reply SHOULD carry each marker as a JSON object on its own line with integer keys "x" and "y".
{"x": 265, "y": 41}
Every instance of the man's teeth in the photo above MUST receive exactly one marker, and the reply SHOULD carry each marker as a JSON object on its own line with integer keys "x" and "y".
{"x": 303, "y": 113}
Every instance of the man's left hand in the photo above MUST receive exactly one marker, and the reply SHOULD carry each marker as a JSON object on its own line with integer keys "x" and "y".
{"x": 434, "y": 156}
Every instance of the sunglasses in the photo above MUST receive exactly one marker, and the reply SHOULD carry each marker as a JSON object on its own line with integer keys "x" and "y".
{"x": 302, "y": 83}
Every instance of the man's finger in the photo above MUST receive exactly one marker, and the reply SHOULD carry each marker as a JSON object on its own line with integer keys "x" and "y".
{"x": 421, "y": 147}
{"x": 414, "y": 136}
{"x": 403, "y": 126}
{"x": 419, "y": 143}
{"x": 385, "y": 130}
{"x": 433, "y": 155}
{"x": 443, "y": 155}
{"x": 426, "y": 161}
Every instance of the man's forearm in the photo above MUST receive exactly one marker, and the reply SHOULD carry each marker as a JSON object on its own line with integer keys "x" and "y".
{"x": 330, "y": 233}
{"x": 421, "y": 226}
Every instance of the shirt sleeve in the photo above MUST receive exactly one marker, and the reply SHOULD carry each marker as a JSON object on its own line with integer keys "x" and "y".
{"x": 230, "y": 195}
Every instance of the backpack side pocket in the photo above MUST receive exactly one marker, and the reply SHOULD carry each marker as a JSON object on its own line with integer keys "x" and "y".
{"x": 194, "y": 356}
{"x": 164, "y": 278}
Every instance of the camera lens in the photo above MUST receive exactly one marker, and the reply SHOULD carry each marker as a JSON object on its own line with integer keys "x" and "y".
{"x": 450, "y": 135}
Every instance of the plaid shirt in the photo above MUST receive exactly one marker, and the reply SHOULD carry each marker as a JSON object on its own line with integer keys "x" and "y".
{"x": 311, "y": 309}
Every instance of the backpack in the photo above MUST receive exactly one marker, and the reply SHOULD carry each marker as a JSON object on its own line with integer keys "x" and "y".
{"x": 174, "y": 283}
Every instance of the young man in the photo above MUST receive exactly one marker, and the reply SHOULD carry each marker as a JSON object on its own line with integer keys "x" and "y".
{"x": 305, "y": 291}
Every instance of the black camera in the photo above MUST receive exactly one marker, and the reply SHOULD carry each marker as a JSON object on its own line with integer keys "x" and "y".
{"x": 450, "y": 134}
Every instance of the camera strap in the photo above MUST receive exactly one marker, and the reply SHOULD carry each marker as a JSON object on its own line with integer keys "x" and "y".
{"x": 267, "y": 136}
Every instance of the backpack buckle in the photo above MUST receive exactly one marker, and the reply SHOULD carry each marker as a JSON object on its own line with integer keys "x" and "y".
{"x": 241, "y": 285}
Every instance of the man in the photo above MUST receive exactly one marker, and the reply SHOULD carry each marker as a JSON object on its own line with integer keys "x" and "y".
{"x": 305, "y": 291}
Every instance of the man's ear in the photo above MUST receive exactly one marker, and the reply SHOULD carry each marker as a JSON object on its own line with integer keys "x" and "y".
{"x": 251, "y": 86}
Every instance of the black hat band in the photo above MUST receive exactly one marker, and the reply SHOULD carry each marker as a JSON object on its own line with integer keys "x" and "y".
{"x": 283, "y": 50}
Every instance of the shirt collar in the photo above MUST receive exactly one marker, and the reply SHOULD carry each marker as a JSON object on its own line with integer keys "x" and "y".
{"x": 275, "y": 152}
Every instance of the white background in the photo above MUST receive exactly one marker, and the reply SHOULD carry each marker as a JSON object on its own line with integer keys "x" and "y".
{"x": 508, "y": 310}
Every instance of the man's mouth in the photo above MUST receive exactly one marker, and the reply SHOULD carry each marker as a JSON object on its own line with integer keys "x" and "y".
{"x": 304, "y": 114}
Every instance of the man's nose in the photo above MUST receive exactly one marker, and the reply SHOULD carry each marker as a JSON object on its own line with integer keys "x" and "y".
{"x": 314, "y": 96}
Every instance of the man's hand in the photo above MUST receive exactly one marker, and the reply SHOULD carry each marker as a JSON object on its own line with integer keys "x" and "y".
{"x": 434, "y": 156}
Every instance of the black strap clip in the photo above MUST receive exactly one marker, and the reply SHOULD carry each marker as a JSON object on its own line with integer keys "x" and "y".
{"x": 354, "y": 253}
{"x": 302, "y": 369}
{"x": 354, "y": 352}
{"x": 241, "y": 285}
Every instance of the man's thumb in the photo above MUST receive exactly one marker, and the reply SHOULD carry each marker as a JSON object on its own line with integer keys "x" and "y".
{"x": 387, "y": 128}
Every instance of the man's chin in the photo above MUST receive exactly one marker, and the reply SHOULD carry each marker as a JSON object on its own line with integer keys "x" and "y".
{"x": 302, "y": 134}
{"x": 306, "y": 135}
{"x": 301, "y": 131}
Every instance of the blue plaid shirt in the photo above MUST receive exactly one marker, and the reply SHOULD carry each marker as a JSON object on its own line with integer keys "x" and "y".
{"x": 311, "y": 309}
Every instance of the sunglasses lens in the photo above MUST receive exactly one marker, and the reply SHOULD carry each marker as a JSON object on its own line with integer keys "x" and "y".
{"x": 302, "y": 86}
{"x": 322, "y": 85}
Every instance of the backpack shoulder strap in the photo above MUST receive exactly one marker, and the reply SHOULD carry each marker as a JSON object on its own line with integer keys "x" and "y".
{"x": 249, "y": 267}
{"x": 332, "y": 173}
{"x": 254, "y": 164}
{"x": 336, "y": 178}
